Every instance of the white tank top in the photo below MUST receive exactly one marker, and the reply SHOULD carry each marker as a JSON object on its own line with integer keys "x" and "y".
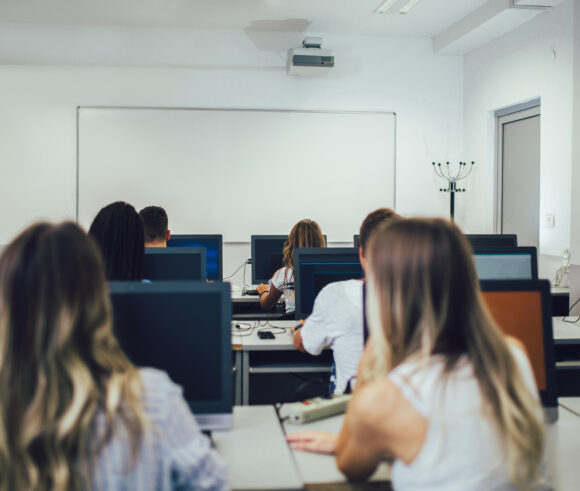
{"x": 462, "y": 450}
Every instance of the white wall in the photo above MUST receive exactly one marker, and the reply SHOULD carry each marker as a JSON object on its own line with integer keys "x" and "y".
{"x": 532, "y": 61}
{"x": 575, "y": 222}
{"x": 47, "y": 71}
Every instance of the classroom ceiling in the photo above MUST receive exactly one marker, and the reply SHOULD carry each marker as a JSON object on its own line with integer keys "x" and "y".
{"x": 456, "y": 26}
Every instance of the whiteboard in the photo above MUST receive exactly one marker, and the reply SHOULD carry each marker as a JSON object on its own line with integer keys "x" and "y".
{"x": 237, "y": 172}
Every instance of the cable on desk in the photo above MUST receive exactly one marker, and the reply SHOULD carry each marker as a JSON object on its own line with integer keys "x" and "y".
{"x": 570, "y": 310}
{"x": 243, "y": 265}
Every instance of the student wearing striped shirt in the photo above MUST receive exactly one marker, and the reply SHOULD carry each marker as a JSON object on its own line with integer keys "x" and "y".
{"x": 75, "y": 412}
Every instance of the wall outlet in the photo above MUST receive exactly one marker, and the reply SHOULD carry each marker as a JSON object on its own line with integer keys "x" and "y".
{"x": 550, "y": 220}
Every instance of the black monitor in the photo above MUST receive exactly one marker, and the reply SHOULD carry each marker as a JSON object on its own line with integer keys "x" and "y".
{"x": 316, "y": 268}
{"x": 506, "y": 263}
{"x": 494, "y": 240}
{"x": 168, "y": 264}
{"x": 356, "y": 240}
{"x": 267, "y": 256}
{"x": 184, "y": 329}
{"x": 523, "y": 310}
{"x": 213, "y": 251}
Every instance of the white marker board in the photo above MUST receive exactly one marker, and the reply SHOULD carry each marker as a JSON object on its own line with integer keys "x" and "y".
{"x": 238, "y": 172}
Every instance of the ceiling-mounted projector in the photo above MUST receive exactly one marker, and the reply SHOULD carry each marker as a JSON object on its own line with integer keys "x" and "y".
{"x": 310, "y": 55}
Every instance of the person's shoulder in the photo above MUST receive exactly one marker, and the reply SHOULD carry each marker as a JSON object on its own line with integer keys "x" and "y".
{"x": 338, "y": 287}
{"x": 158, "y": 390}
{"x": 374, "y": 404}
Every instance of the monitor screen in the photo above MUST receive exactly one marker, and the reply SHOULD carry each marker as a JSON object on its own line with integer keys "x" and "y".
{"x": 316, "y": 268}
{"x": 173, "y": 263}
{"x": 492, "y": 240}
{"x": 267, "y": 256}
{"x": 213, "y": 251}
{"x": 522, "y": 309}
{"x": 182, "y": 328}
{"x": 506, "y": 263}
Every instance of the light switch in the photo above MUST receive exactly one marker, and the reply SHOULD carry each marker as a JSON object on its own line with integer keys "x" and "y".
{"x": 550, "y": 220}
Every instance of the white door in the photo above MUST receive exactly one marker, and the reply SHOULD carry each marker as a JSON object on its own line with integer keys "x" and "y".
{"x": 518, "y": 186}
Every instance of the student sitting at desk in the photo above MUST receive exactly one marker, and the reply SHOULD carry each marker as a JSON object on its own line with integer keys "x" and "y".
{"x": 306, "y": 233}
{"x": 441, "y": 389}
{"x": 336, "y": 321}
{"x": 156, "y": 225}
{"x": 118, "y": 231}
{"x": 76, "y": 413}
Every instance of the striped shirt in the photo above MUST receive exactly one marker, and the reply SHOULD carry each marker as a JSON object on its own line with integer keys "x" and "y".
{"x": 174, "y": 454}
{"x": 282, "y": 280}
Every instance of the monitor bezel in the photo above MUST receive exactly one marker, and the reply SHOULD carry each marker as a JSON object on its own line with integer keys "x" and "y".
{"x": 217, "y": 237}
{"x": 299, "y": 255}
{"x": 512, "y": 250}
{"x": 253, "y": 239}
{"x": 219, "y": 420}
{"x": 356, "y": 241}
{"x": 512, "y": 237}
{"x": 178, "y": 250}
{"x": 548, "y": 397}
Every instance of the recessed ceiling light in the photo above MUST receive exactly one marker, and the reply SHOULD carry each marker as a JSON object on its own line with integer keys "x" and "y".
{"x": 408, "y": 7}
{"x": 395, "y": 6}
{"x": 384, "y": 6}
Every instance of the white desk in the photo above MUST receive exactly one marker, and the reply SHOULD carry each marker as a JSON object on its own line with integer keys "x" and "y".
{"x": 317, "y": 468}
{"x": 256, "y": 451}
{"x": 566, "y": 332}
{"x": 292, "y": 361}
{"x": 563, "y": 443}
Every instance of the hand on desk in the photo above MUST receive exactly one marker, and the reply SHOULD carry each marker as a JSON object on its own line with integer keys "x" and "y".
{"x": 313, "y": 441}
{"x": 261, "y": 288}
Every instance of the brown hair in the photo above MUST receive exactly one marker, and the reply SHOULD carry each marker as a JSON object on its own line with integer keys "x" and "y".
{"x": 59, "y": 361}
{"x": 372, "y": 221}
{"x": 306, "y": 233}
{"x": 424, "y": 299}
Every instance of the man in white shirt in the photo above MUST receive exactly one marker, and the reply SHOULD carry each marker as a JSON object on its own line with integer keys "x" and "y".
{"x": 337, "y": 317}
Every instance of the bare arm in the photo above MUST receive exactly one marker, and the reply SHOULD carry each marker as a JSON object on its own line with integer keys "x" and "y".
{"x": 297, "y": 338}
{"x": 268, "y": 298}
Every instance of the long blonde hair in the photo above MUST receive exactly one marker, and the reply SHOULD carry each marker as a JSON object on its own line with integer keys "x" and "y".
{"x": 59, "y": 362}
{"x": 424, "y": 299}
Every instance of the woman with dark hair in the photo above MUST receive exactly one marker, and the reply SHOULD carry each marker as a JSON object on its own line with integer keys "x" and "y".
{"x": 306, "y": 233}
{"x": 75, "y": 413}
{"x": 118, "y": 231}
{"x": 441, "y": 390}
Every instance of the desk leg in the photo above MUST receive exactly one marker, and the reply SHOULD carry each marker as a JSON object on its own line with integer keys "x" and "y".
{"x": 245, "y": 378}
{"x": 238, "y": 378}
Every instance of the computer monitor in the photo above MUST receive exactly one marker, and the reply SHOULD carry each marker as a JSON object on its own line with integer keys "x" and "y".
{"x": 267, "y": 256}
{"x": 187, "y": 263}
{"x": 506, "y": 263}
{"x": 523, "y": 310}
{"x": 316, "y": 268}
{"x": 356, "y": 240}
{"x": 184, "y": 329}
{"x": 493, "y": 240}
{"x": 213, "y": 251}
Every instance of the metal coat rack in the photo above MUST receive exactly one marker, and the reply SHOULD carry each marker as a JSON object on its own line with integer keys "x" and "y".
{"x": 445, "y": 172}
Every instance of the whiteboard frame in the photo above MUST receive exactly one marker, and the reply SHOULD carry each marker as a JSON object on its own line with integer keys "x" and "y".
{"x": 225, "y": 109}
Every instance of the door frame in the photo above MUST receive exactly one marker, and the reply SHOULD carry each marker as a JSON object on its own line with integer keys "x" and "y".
{"x": 507, "y": 115}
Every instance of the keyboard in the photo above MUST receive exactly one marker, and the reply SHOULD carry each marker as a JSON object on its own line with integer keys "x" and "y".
{"x": 250, "y": 291}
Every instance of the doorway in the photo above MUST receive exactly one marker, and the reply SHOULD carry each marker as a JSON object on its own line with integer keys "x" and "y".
{"x": 518, "y": 174}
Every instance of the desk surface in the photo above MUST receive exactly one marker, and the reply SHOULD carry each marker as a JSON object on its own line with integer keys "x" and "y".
{"x": 566, "y": 332}
{"x": 318, "y": 468}
{"x": 256, "y": 451}
{"x": 249, "y": 340}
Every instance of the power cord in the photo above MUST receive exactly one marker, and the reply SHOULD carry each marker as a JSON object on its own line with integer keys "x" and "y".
{"x": 243, "y": 265}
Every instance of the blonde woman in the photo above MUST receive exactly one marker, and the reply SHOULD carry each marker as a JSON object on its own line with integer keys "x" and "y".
{"x": 75, "y": 413}
{"x": 306, "y": 233}
{"x": 441, "y": 390}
